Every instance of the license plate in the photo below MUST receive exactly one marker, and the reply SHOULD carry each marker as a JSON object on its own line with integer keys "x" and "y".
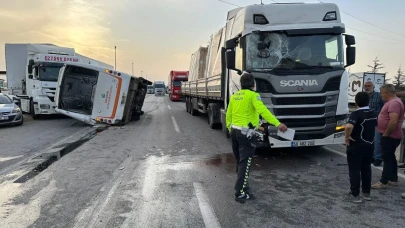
{"x": 303, "y": 143}
{"x": 3, "y": 118}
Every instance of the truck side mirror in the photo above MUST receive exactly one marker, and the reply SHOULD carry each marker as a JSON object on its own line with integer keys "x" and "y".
{"x": 350, "y": 56}
{"x": 231, "y": 44}
{"x": 230, "y": 61}
{"x": 30, "y": 64}
{"x": 350, "y": 40}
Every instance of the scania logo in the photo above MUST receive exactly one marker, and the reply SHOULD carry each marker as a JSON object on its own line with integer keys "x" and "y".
{"x": 285, "y": 83}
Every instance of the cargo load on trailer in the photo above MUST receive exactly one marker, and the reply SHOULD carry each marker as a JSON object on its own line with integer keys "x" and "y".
{"x": 297, "y": 60}
{"x": 95, "y": 94}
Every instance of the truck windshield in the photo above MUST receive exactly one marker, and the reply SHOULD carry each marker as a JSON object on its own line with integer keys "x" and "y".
{"x": 159, "y": 86}
{"x": 267, "y": 51}
{"x": 150, "y": 87}
{"x": 49, "y": 71}
{"x": 176, "y": 83}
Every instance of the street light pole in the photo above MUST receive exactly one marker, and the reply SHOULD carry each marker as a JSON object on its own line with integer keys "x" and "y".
{"x": 115, "y": 50}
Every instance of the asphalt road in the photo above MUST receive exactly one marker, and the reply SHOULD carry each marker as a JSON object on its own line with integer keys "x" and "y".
{"x": 171, "y": 170}
{"x": 17, "y": 143}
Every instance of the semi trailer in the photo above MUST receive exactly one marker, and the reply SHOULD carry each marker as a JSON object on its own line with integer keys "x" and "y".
{"x": 296, "y": 54}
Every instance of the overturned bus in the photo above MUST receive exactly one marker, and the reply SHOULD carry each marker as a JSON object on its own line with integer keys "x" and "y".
{"x": 94, "y": 94}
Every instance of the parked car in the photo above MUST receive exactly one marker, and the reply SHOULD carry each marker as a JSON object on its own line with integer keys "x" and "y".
{"x": 10, "y": 113}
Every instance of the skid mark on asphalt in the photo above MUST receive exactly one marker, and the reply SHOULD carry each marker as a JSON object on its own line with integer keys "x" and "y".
{"x": 89, "y": 216}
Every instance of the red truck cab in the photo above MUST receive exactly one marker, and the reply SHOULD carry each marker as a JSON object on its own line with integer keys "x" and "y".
{"x": 174, "y": 83}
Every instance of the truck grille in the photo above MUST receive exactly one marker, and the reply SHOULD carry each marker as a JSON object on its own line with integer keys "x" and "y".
{"x": 298, "y": 100}
{"x": 264, "y": 86}
{"x": 299, "y": 111}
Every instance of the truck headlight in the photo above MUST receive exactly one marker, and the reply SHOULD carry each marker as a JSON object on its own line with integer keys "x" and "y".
{"x": 44, "y": 106}
{"x": 17, "y": 110}
{"x": 340, "y": 125}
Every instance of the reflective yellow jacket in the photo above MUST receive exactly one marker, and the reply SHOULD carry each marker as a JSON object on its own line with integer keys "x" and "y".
{"x": 245, "y": 106}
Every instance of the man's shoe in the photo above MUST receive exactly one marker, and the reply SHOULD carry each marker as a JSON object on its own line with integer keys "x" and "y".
{"x": 393, "y": 183}
{"x": 366, "y": 196}
{"x": 377, "y": 162}
{"x": 354, "y": 199}
{"x": 379, "y": 185}
{"x": 243, "y": 197}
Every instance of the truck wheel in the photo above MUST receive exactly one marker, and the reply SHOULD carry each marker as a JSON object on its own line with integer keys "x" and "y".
{"x": 193, "y": 111}
{"x": 211, "y": 117}
{"x": 32, "y": 111}
{"x": 189, "y": 105}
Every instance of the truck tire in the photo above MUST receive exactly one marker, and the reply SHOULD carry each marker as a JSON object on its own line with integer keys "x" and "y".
{"x": 32, "y": 111}
{"x": 194, "y": 112}
{"x": 187, "y": 104}
{"x": 212, "y": 108}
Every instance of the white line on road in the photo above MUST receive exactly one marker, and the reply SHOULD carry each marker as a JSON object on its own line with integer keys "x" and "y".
{"x": 344, "y": 155}
{"x": 176, "y": 127}
{"x": 207, "y": 212}
{"x": 169, "y": 106}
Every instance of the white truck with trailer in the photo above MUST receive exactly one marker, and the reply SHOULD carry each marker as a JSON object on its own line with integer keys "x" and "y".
{"x": 94, "y": 94}
{"x": 159, "y": 88}
{"x": 32, "y": 74}
{"x": 295, "y": 51}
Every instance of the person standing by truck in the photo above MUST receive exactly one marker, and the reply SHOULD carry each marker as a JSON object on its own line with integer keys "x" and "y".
{"x": 243, "y": 111}
{"x": 359, "y": 139}
{"x": 376, "y": 104}
{"x": 390, "y": 127}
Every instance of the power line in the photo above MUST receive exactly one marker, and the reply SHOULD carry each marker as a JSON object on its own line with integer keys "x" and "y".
{"x": 367, "y": 22}
{"x": 229, "y": 3}
{"x": 401, "y": 41}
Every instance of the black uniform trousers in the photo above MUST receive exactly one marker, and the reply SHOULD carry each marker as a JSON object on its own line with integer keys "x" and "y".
{"x": 244, "y": 152}
{"x": 359, "y": 156}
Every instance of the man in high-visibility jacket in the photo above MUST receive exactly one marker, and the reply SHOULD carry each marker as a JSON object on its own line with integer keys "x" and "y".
{"x": 244, "y": 107}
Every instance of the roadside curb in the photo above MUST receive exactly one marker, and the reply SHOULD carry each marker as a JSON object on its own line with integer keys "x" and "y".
{"x": 42, "y": 160}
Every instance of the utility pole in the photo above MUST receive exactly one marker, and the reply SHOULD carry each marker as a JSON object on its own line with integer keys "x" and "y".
{"x": 115, "y": 50}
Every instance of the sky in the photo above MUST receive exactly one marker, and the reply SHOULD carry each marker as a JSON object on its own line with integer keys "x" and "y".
{"x": 159, "y": 36}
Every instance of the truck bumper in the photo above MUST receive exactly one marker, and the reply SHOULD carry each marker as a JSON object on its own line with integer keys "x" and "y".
{"x": 44, "y": 106}
{"x": 336, "y": 138}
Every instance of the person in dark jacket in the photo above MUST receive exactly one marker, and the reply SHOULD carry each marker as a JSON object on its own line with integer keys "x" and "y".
{"x": 359, "y": 138}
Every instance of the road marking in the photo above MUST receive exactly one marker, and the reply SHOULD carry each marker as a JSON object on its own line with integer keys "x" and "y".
{"x": 90, "y": 216}
{"x": 344, "y": 155}
{"x": 207, "y": 212}
{"x": 169, "y": 106}
{"x": 176, "y": 127}
{"x": 2, "y": 159}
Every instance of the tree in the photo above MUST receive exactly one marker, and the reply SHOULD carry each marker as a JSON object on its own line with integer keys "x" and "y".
{"x": 399, "y": 79}
{"x": 376, "y": 66}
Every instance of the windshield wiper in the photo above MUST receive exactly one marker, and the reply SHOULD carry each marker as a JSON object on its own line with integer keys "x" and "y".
{"x": 313, "y": 67}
